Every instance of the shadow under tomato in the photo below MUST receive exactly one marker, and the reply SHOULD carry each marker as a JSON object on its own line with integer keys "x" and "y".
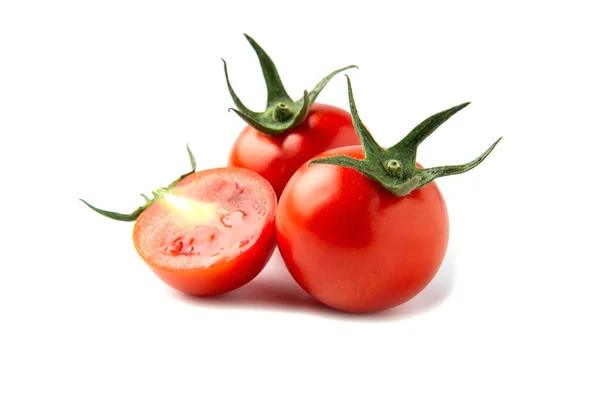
{"x": 275, "y": 289}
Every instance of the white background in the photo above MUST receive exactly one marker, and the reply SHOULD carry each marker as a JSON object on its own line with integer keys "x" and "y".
{"x": 98, "y": 99}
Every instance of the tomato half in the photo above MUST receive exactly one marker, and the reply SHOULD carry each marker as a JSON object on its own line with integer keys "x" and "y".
{"x": 212, "y": 233}
{"x": 277, "y": 157}
{"x": 352, "y": 244}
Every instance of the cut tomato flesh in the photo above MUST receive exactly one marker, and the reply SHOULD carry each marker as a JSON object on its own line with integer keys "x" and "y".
{"x": 223, "y": 236}
{"x": 204, "y": 221}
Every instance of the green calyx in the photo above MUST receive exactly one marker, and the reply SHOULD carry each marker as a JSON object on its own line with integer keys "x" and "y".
{"x": 156, "y": 195}
{"x": 395, "y": 168}
{"x": 282, "y": 113}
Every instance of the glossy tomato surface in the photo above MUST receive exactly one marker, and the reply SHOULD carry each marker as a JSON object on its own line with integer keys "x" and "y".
{"x": 213, "y": 233}
{"x": 355, "y": 246}
{"x": 276, "y": 158}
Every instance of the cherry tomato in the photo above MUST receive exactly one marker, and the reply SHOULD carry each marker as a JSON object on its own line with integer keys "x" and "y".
{"x": 212, "y": 233}
{"x": 277, "y": 157}
{"x": 352, "y": 244}
{"x": 278, "y": 140}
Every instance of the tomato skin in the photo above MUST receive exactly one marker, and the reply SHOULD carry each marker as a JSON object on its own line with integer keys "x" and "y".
{"x": 353, "y": 245}
{"x": 223, "y": 276}
{"x": 276, "y": 158}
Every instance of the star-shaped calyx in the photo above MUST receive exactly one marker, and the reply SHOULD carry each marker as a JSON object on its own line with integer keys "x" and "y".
{"x": 156, "y": 195}
{"x": 395, "y": 168}
{"x": 281, "y": 113}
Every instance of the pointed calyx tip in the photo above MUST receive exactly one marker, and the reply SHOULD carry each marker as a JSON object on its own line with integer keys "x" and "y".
{"x": 156, "y": 195}
{"x": 272, "y": 121}
{"x": 395, "y": 168}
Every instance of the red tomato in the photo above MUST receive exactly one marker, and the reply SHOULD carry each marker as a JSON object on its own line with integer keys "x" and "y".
{"x": 212, "y": 233}
{"x": 277, "y": 157}
{"x": 352, "y": 244}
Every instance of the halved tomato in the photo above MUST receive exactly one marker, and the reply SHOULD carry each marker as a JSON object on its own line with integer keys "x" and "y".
{"x": 213, "y": 232}
{"x": 209, "y": 232}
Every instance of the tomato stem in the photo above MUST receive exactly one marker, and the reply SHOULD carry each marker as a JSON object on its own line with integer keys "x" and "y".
{"x": 281, "y": 113}
{"x": 395, "y": 168}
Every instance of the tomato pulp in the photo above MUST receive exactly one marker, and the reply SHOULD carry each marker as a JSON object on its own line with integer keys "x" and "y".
{"x": 212, "y": 233}
{"x": 352, "y": 244}
{"x": 277, "y": 157}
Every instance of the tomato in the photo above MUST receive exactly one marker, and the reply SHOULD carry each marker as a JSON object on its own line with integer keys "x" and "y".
{"x": 365, "y": 228}
{"x": 208, "y": 232}
{"x": 212, "y": 234}
{"x": 352, "y": 244}
{"x": 276, "y": 158}
{"x": 278, "y": 140}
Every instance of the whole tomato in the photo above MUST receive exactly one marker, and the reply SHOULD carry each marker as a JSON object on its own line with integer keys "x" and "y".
{"x": 347, "y": 245}
{"x": 364, "y": 234}
{"x": 280, "y": 139}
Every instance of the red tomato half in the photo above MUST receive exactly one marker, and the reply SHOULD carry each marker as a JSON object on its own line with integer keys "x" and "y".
{"x": 277, "y": 157}
{"x": 213, "y": 233}
{"x": 355, "y": 246}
